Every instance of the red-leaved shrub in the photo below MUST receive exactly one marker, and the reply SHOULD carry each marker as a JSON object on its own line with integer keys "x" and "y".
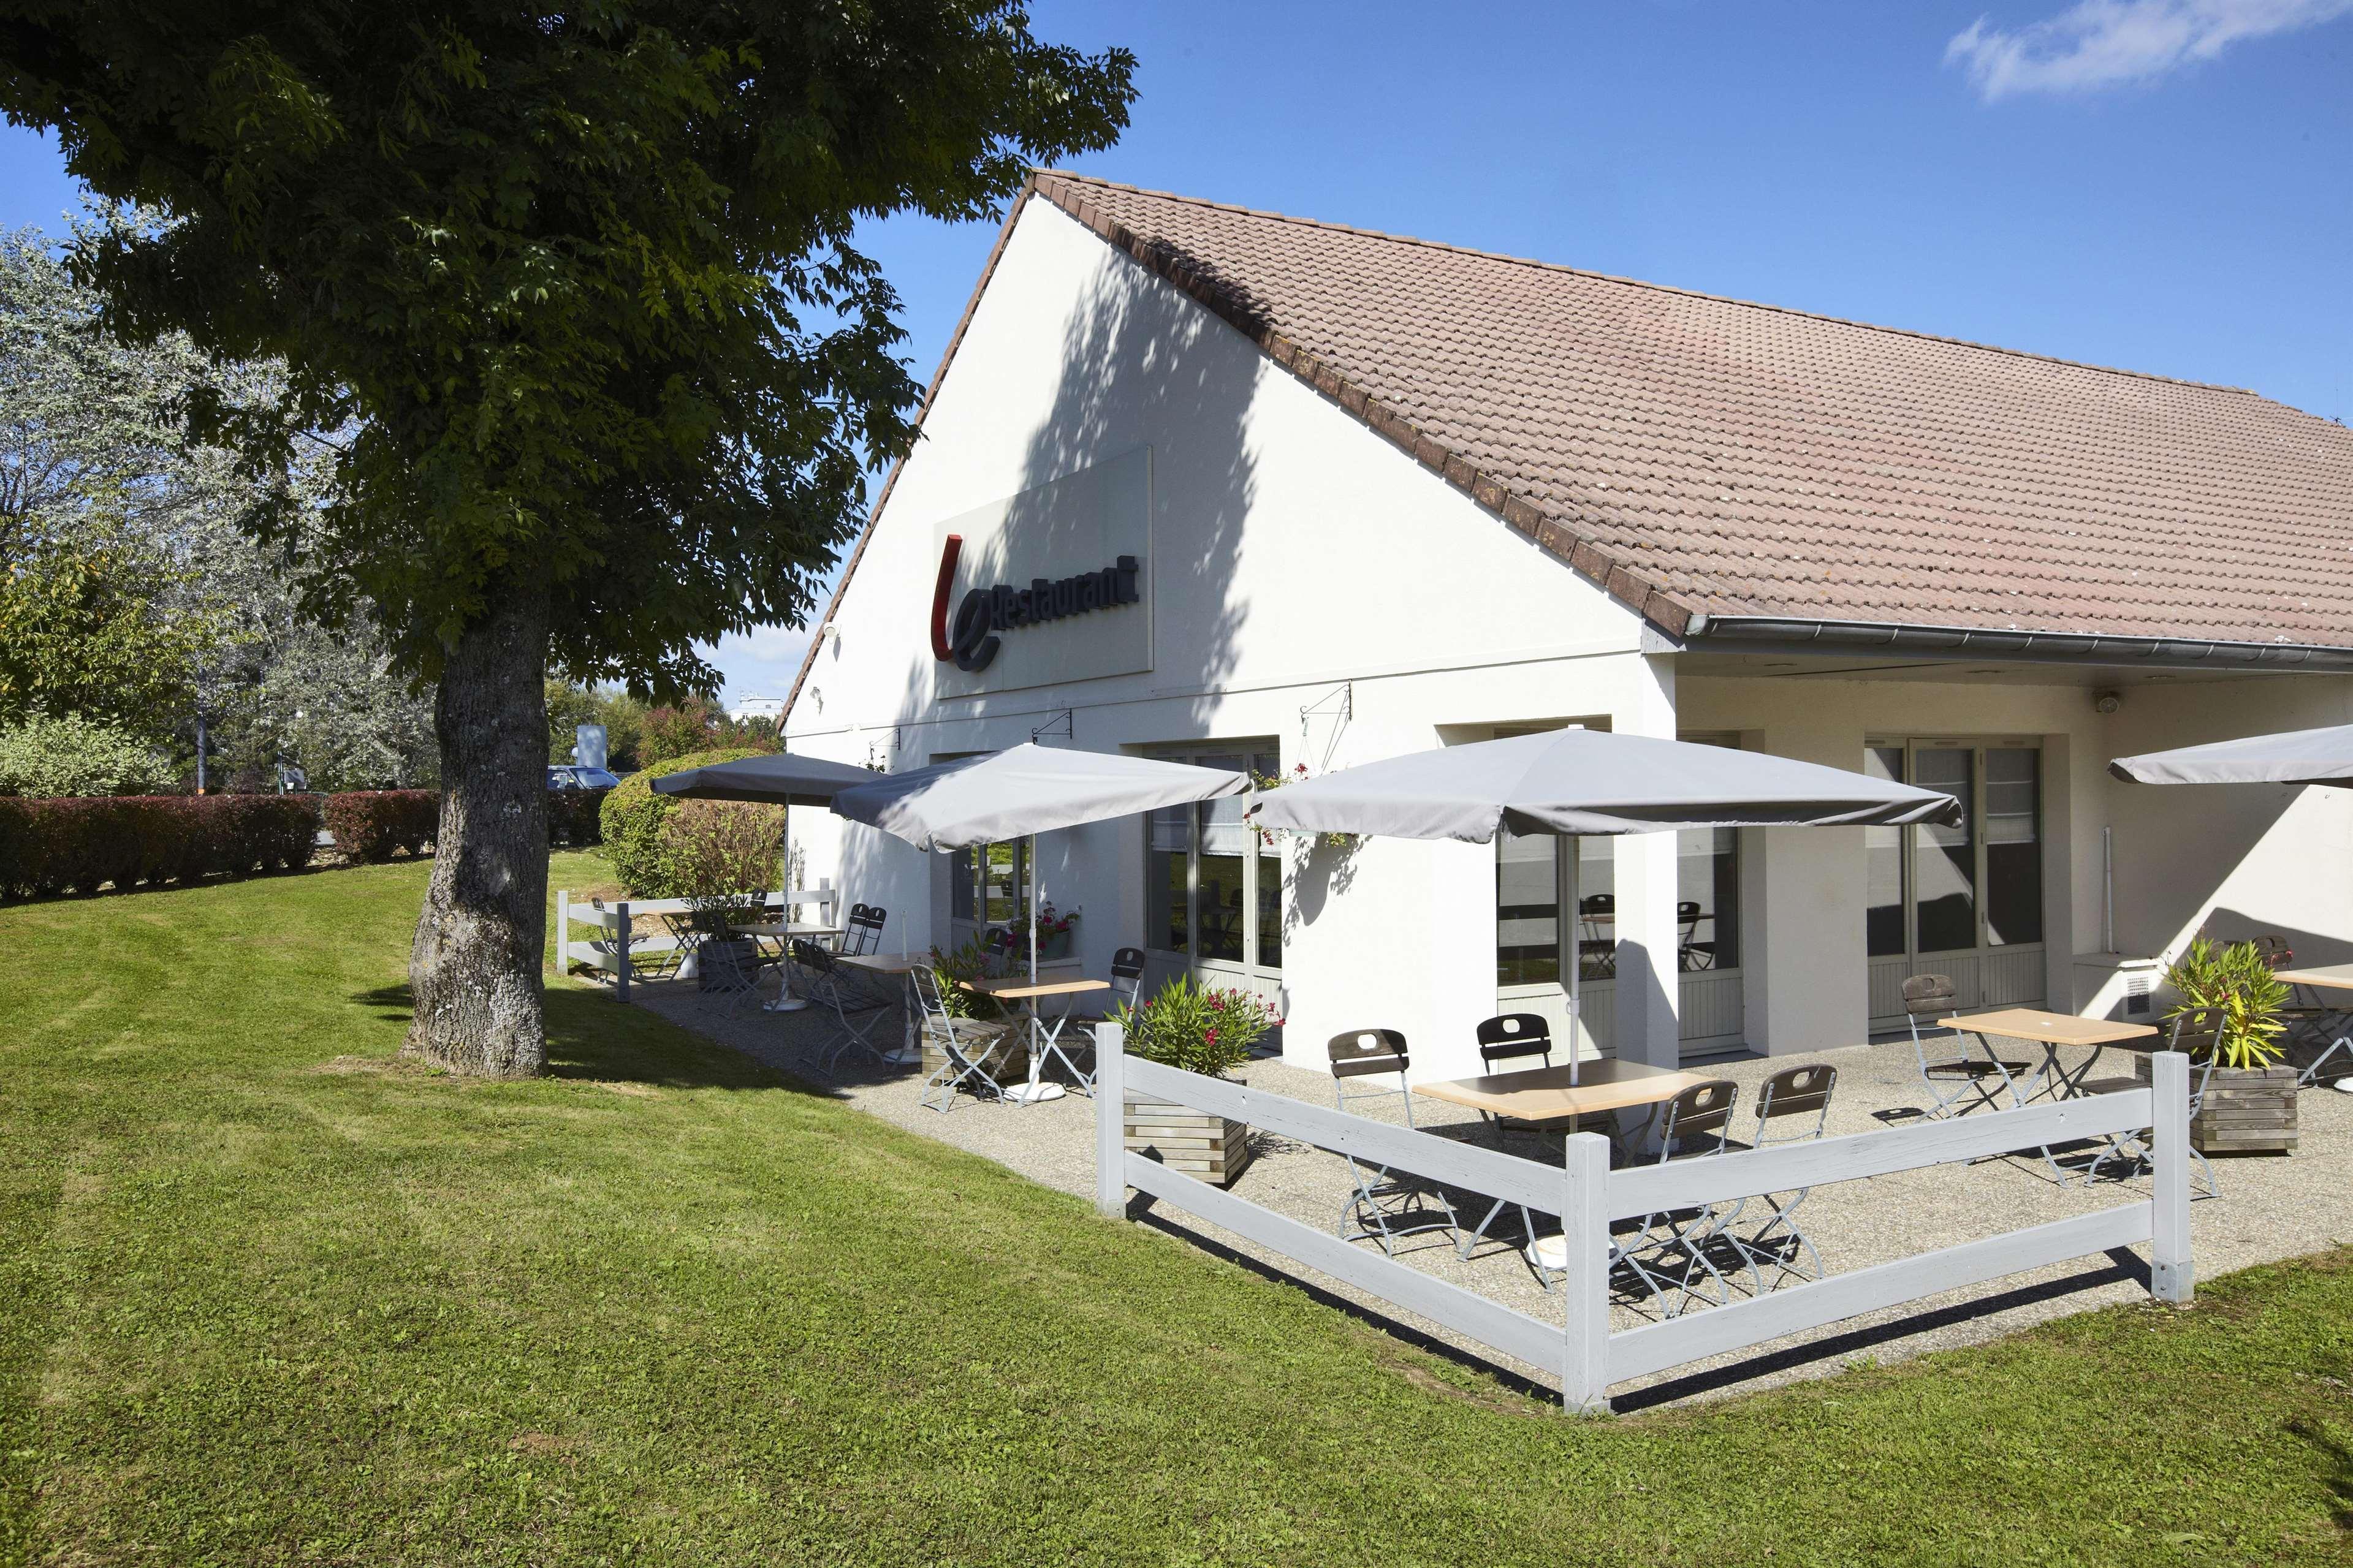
{"x": 370, "y": 824}
{"x": 575, "y": 816}
{"x": 82, "y": 843}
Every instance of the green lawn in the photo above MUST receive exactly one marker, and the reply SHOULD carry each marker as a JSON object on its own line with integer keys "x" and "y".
{"x": 267, "y": 1296}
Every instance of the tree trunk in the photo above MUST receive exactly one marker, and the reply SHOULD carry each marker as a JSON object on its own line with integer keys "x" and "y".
{"x": 474, "y": 969}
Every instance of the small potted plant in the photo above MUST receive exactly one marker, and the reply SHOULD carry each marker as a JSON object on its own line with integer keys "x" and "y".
{"x": 1203, "y": 1030}
{"x": 2249, "y": 1106}
{"x": 1054, "y": 930}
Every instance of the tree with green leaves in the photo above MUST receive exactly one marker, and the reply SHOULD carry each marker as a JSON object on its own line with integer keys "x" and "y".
{"x": 128, "y": 593}
{"x": 574, "y": 292}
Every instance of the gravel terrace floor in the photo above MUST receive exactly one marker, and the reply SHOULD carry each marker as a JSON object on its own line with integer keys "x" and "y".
{"x": 2271, "y": 1207}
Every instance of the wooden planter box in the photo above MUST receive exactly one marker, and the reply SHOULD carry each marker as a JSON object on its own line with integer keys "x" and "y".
{"x": 2247, "y": 1110}
{"x": 1212, "y": 1149}
{"x": 1010, "y": 1065}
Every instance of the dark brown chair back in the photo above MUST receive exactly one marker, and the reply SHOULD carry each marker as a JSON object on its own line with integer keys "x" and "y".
{"x": 1359, "y": 1052}
{"x": 1127, "y": 964}
{"x": 1929, "y": 995}
{"x": 1511, "y": 1035}
{"x": 1703, "y": 1110}
{"x": 1800, "y": 1090}
{"x": 2196, "y": 1033}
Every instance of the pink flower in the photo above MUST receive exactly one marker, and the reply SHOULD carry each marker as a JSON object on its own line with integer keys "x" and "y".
{"x": 1302, "y": 768}
{"x": 1209, "y": 1037}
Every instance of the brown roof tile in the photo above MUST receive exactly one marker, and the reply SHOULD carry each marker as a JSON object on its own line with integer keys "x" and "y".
{"x": 1701, "y": 455}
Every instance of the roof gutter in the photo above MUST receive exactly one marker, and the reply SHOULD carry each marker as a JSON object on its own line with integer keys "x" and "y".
{"x": 1782, "y": 633}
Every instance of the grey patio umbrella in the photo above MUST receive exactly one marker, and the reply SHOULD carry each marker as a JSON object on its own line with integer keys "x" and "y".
{"x": 1025, "y": 790}
{"x": 2293, "y": 757}
{"x": 1589, "y": 782}
{"x": 784, "y": 780}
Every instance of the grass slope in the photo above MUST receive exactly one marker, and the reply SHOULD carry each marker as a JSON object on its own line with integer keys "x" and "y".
{"x": 266, "y": 1295}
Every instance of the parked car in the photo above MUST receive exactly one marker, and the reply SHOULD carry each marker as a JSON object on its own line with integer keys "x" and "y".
{"x": 575, "y": 777}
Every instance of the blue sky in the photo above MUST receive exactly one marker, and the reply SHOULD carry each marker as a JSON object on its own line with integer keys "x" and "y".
{"x": 2163, "y": 185}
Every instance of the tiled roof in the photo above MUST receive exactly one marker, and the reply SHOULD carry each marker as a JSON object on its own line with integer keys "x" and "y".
{"x": 1702, "y": 456}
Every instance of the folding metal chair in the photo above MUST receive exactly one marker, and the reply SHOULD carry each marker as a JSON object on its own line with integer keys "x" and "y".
{"x": 1126, "y": 990}
{"x": 1504, "y": 1038}
{"x": 829, "y": 987}
{"x": 1127, "y": 968}
{"x": 727, "y": 970}
{"x": 970, "y": 1049}
{"x": 1691, "y": 953}
{"x": 1671, "y": 1251}
{"x": 1978, "y": 1080}
{"x": 2197, "y": 1034}
{"x": 1383, "y": 1206}
{"x": 1597, "y": 948}
{"x": 2309, "y": 1011}
{"x": 862, "y": 933}
{"x": 1793, "y": 1095}
{"x": 1669, "y": 1254}
{"x": 999, "y": 945}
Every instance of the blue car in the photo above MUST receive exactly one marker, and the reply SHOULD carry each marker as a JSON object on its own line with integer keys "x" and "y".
{"x": 569, "y": 776}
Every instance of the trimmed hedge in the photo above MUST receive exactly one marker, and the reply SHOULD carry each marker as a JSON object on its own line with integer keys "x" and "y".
{"x": 634, "y": 816}
{"x": 79, "y": 844}
{"x": 370, "y": 825}
{"x": 577, "y": 817}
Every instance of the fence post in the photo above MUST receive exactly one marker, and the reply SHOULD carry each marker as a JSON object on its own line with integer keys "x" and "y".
{"x": 1111, "y": 1121}
{"x": 2169, "y": 1268}
{"x": 621, "y": 961}
{"x": 563, "y": 933}
{"x": 1585, "y": 1239}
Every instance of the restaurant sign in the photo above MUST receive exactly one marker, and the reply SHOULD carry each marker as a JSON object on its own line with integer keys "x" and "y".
{"x": 971, "y": 637}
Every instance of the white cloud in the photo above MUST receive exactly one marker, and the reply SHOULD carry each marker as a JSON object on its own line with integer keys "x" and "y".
{"x": 2100, "y": 43}
{"x": 759, "y": 663}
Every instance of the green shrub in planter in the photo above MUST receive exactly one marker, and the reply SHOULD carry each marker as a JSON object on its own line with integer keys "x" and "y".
{"x": 1206, "y": 1029}
{"x": 2235, "y": 986}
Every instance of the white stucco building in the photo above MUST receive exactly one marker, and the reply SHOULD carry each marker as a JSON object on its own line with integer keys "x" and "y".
{"x": 1373, "y": 495}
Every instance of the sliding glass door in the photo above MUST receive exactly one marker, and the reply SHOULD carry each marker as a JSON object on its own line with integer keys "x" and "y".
{"x": 1964, "y": 901}
{"x": 1213, "y": 886}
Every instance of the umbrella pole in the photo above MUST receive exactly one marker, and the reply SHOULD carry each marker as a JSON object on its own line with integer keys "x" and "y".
{"x": 1035, "y": 1092}
{"x": 1576, "y": 945}
{"x": 786, "y": 1001}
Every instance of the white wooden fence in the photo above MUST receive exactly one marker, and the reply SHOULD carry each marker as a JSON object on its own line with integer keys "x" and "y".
{"x": 1587, "y": 1195}
{"x": 628, "y": 928}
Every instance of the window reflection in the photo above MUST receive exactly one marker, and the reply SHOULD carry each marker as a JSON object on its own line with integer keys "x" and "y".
{"x": 1884, "y": 864}
{"x": 2013, "y": 811}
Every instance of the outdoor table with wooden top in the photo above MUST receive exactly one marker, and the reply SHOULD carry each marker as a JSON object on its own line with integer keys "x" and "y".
{"x": 899, "y": 966}
{"x": 2326, "y": 977}
{"x": 2049, "y": 1031}
{"x": 781, "y": 932}
{"x": 1548, "y": 1094}
{"x": 1029, "y": 992}
{"x": 1563, "y": 1095}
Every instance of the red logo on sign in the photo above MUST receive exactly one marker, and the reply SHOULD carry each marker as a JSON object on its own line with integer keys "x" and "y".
{"x": 947, "y": 586}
